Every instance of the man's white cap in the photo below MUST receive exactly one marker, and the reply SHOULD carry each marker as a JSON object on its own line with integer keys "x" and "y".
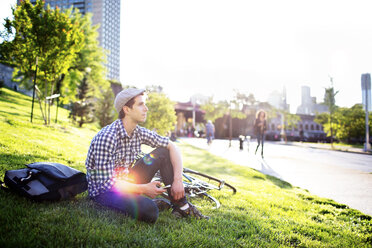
{"x": 124, "y": 96}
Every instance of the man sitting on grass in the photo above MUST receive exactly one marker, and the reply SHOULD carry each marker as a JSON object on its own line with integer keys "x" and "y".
{"x": 119, "y": 182}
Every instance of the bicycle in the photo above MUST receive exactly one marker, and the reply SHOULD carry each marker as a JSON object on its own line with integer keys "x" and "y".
{"x": 196, "y": 185}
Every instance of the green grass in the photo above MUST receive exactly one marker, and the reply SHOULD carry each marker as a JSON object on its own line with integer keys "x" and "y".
{"x": 266, "y": 212}
{"x": 350, "y": 145}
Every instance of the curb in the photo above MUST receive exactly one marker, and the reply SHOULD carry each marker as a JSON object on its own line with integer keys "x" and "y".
{"x": 326, "y": 148}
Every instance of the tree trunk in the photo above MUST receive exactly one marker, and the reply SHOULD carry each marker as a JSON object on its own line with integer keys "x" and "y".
{"x": 49, "y": 101}
{"x": 81, "y": 122}
{"x": 45, "y": 102}
{"x": 41, "y": 108}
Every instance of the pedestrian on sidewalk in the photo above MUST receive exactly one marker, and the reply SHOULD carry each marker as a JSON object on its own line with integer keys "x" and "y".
{"x": 259, "y": 128}
{"x": 209, "y": 129}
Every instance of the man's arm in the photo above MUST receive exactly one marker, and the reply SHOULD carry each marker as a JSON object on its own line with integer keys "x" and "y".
{"x": 177, "y": 186}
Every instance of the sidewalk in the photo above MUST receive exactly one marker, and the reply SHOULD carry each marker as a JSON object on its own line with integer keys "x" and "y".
{"x": 327, "y": 146}
{"x": 345, "y": 177}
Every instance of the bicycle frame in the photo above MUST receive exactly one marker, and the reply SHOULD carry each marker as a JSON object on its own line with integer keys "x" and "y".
{"x": 195, "y": 187}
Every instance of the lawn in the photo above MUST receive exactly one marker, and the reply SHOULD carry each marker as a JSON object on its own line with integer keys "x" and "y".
{"x": 266, "y": 212}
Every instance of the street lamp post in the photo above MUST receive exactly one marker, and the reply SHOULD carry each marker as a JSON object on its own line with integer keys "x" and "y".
{"x": 230, "y": 126}
{"x": 193, "y": 102}
{"x": 366, "y": 92}
{"x": 282, "y": 132}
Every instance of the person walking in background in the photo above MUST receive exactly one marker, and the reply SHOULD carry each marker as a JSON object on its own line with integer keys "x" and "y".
{"x": 209, "y": 130}
{"x": 259, "y": 129}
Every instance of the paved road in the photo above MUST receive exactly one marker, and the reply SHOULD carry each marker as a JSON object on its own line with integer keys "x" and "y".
{"x": 342, "y": 176}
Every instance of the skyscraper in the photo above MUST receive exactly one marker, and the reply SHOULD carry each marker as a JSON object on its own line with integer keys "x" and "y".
{"x": 309, "y": 106}
{"x": 279, "y": 99}
{"x": 106, "y": 13}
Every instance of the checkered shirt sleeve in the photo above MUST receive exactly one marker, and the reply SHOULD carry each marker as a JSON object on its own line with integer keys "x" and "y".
{"x": 152, "y": 139}
{"x": 100, "y": 161}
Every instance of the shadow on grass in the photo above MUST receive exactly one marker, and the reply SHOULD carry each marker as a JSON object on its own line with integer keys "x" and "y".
{"x": 10, "y": 113}
{"x": 18, "y": 161}
{"x": 8, "y": 96}
{"x": 273, "y": 176}
{"x": 280, "y": 183}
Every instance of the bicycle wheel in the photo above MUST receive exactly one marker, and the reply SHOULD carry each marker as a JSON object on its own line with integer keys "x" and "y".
{"x": 197, "y": 196}
{"x": 218, "y": 183}
{"x": 211, "y": 198}
{"x": 201, "y": 197}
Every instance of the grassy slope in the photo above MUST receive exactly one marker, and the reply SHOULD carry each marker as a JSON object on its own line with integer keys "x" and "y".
{"x": 266, "y": 212}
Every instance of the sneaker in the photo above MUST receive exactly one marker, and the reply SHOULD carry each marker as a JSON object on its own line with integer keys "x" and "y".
{"x": 190, "y": 211}
{"x": 162, "y": 204}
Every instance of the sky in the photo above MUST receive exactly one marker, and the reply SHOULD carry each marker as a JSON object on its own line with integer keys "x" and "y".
{"x": 213, "y": 47}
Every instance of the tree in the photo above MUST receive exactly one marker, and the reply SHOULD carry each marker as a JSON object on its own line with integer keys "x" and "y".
{"x": 251, "y": 99}
{"x": 161, "y": 115}
{"x": 82, "y": 110}
{"x": 1, "y": 85}
{"x": 324, "y": 120}
{"x": 90, "y": 58}
{"x": 44, "y": 35}
{"x": 350, "y": 124}
{"x": 154, "y": 88}
{"x": 289, "y": 121}
{"x": 213, "y": 110}
{"x": 105, "y": 111}
{"x": 88, "y": 70}
{"x": 237, "y": 105}
{"x": 330, "y": 102}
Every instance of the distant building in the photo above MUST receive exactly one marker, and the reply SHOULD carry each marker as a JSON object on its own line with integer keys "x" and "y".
{"x": 199, "y": 99}
{"x": 275, "y": 99}
{"x": 185, "y": 123}
{"x": 106, "y": 13}
{"x": 6, "y": 76}
{"x": 279, "y": 100}
{"x": 309, "y": 106}
{"x": 6, "y": 73}
{"x": 116, "y": 87}
{"x": 312, "y": 131}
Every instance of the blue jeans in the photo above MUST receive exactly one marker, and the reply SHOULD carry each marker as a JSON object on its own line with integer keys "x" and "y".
{"x": 210, "y": 137}
{"x": 260, "y": 140}
{"x": 137, "y": 206}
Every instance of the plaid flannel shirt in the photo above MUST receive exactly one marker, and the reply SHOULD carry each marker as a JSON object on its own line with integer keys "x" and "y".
{"x": 113, "y": 149}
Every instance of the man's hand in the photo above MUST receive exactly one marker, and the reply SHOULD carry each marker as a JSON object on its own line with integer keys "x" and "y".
{"x": 150, "y": 189}
{"x": 153, "y": 189}
{"x": 177, "y": 190}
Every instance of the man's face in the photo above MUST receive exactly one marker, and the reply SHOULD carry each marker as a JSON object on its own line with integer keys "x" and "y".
{"x": 139, "y": 109}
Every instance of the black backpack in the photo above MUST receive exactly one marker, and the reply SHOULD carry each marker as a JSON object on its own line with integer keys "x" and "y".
{"x": 46, "y": 181}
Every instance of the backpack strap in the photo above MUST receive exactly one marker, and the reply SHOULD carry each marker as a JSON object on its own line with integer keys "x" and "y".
{"x": 31, "y": 174}
{"x": 2, "y": 186}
